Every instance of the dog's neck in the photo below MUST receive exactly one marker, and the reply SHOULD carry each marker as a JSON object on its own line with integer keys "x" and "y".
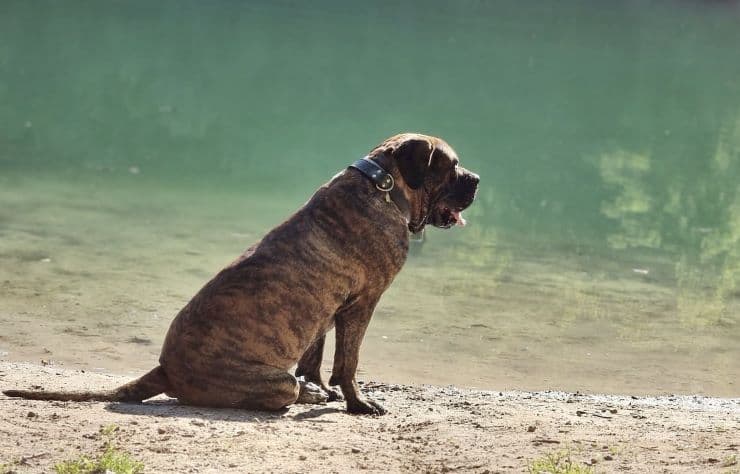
{"x": 385, "y": 183}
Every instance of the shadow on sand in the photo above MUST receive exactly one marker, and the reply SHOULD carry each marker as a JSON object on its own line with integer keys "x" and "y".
{"x": 171, "y": 408}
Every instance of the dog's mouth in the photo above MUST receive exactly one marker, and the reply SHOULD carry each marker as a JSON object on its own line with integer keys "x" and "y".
{"x": 447, "y": 212}
{"x": 445, "y": 217}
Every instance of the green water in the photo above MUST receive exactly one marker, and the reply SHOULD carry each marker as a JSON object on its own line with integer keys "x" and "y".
{"x": 143, "y": 145}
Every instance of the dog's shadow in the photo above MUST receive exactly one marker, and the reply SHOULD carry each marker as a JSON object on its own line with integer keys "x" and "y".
{"x": 170, "y": 408}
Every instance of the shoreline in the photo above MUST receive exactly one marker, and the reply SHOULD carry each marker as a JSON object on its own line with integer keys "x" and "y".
{"x": 428, "y": 428}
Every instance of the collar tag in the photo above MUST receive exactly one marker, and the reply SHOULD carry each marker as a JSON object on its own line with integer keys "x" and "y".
{"x": 417, "y": 237}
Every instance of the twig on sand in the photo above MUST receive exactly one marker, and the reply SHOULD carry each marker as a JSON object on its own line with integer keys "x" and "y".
{"x": 602, "y": 416}
{"x": 24, "y": 460}
{"x": 545, "y": 441}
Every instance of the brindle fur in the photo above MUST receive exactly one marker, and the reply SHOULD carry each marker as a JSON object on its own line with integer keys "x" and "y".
{"x": 326, "y": 266}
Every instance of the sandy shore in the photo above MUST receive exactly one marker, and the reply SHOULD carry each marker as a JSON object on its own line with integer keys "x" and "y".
{"x": 428, "y": 429}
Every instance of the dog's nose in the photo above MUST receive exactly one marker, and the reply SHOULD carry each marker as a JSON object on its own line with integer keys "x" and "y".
{"x": 475, "y": 178}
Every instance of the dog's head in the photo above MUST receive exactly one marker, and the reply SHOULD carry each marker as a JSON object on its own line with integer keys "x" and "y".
{"x": 436, "y": 187}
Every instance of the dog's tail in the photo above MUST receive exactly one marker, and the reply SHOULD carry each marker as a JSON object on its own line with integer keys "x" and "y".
{"x": 150, "y": 384}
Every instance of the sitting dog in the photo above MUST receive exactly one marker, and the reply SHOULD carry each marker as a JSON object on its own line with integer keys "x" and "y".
{"x": 326, "y": 266}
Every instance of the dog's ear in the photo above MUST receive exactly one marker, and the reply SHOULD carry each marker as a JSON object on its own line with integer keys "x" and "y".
{"x": 413, "y": 158}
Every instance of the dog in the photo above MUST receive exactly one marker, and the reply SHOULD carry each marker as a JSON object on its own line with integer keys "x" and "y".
{"x": 326, "y": 266}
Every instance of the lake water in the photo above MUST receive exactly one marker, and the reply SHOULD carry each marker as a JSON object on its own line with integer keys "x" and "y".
{"x": 143, "y": 145}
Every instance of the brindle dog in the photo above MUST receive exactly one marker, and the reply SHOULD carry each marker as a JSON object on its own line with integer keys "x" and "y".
{"x": 326, "y": 266}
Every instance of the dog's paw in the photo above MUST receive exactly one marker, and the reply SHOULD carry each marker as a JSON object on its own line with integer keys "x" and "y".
{"x": 366, "y": 407}
{"x": 334, "y": 395}
{"x": 312, "y": 394}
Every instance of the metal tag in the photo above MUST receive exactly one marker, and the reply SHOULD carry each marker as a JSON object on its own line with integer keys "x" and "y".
{"x": 417, "y": 236}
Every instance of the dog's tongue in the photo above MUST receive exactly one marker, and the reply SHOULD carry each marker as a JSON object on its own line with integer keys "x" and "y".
{"x": 459, "y": 218}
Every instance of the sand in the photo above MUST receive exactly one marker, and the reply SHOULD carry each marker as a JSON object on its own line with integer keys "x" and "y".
{"x": 427, "y": 429}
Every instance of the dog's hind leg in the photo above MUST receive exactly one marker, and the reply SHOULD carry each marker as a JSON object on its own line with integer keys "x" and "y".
{"x": 251, "y": 386}
{"x": 309, "y": 367}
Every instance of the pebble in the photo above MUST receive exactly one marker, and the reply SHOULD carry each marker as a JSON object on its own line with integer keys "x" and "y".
{"x": 531, "y": 428}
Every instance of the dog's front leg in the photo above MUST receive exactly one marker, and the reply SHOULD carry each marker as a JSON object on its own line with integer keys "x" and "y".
{"x": 351, "y": 323}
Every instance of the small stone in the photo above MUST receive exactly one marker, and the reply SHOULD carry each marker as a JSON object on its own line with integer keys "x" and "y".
{"x": 161, "y": 430}
{"x": 356, "y": 450}
{"x": 31, "y": 414}
{"x": 197, "y": 423}
{"x": 613, "y": 411}
{"x": 531, "y": 428}
{"x": 608, "y": 457}
{"x": 302, "y": 457}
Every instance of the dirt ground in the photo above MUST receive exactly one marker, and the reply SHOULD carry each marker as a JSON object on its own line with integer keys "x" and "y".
{"x": 427, "y": 429}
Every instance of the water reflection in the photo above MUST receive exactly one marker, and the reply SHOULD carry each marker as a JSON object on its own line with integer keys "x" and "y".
{"x": 709, "y": 283}
{"x": 632, "y": 206}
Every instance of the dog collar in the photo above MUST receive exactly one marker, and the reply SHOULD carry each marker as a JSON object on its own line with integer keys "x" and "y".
{"x": 382, "y": 179}
{"x": 385, "y": 183}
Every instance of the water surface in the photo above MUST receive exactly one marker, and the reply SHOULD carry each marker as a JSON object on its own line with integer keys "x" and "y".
{"x": 144, "y": 145}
